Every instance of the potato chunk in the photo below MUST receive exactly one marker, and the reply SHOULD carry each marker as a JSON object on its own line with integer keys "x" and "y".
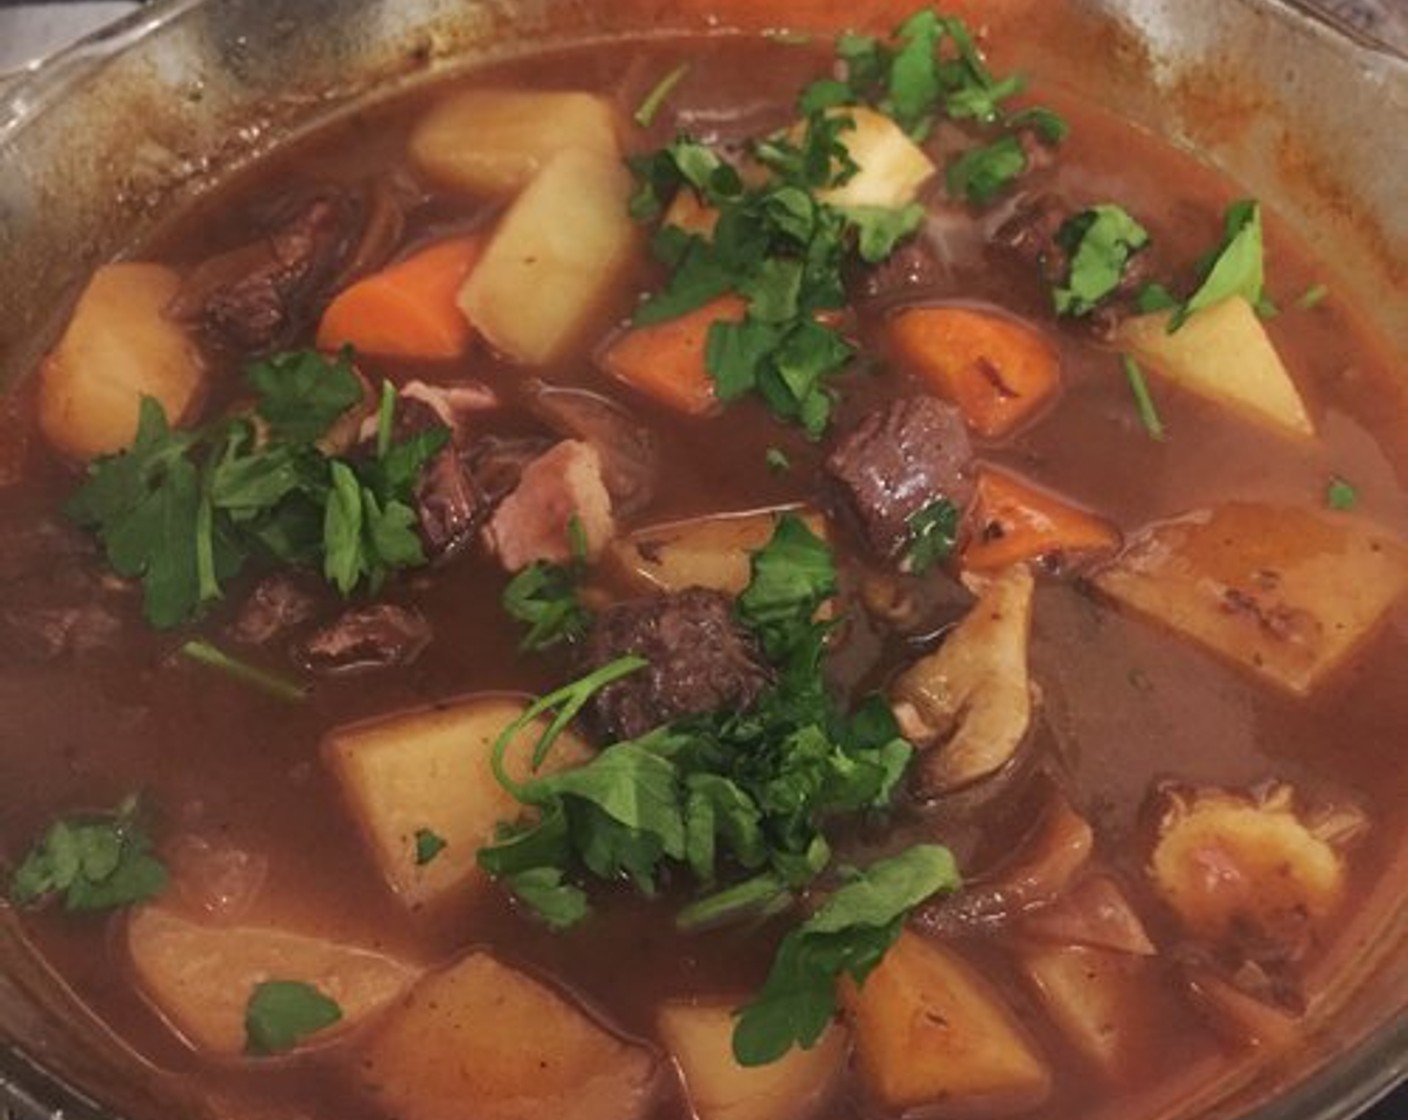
{"x": 533, "y": 522}
{"x": 1234, "y": 868}
{"x": 429, "y": 769}
{"x": 486, "y": 1041}
{"x": 118, "y": 347}
{"x": 700, "y": 1039}
{"x": 711, "y": 552}
{"x": 1222, "y": 353}
{"x": 493, "y": 141}
{"x": 928, "y": 1029}
{"x": 1284, "y": 593}
{"x": 554, "y": 258}
{"x": 201, "y": 977}
{"x": 969, "y": 703}
{"x": 1097, "y": 997}
{"x": 892, "y": 167}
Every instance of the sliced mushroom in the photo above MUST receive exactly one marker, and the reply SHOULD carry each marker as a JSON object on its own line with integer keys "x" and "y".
{"x": 969, "y": 704}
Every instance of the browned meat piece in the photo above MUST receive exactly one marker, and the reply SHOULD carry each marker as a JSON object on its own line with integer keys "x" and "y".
{"x": 39, "y": 634}
{"x": 1030, "y": 234}
{"x": 259, "y": 295}
{"x": 901, "y": 458}
{"x": 369, "y": 637}
{"x": 450, "y": 506}
{"x": 497, "y": 463}
{"x": 629, "y": 455}
{"x": 278, "y": 604}
{"x": 912, "y": 265}
{"x": 701, "y": 660}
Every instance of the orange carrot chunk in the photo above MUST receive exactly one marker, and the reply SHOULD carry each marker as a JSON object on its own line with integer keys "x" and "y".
{"x": 1012, "y": 521}
{"x": 997, "y": 371}
{"x": 666, "y": 360}
{"x": 407, "y": 310}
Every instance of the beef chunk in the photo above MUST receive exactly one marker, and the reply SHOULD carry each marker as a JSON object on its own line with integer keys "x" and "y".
{"x": 449, "y": 505}
{"x": 1030, "y": 234}
{"x": 701, "y": 660}
{"x": 256, "y": 297}
{"x": 912, "y": 265}
{"x": 899, "y": 459}
{"x": 278, "y": 604}
{"x": 368, "y": 637}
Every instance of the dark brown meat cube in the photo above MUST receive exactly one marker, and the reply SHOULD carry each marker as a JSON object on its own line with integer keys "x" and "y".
{"x": 912, "y": 265}
{"x": 1030, "y": 234}
{"x": 701, "y": 660}
{"x": 278, "y": 604}
{"x": 370, "y": 637}
{"x": 901, "y": 458}
{"x": 450, "y": 506}
{"x": 256, "y": 297}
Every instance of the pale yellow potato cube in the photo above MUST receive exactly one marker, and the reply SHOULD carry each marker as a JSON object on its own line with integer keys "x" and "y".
{"x": 711, "y": 552}
{"x": 1224, "y": 354}
{"x": 554, "y": 258}
{"x": 929, "y": 1029}
{"x": 1096, "y": 997}
{"x": 200, "y": 978}
{"x": 430, "y": 769}
{"x": 119, "y": 347}
{"x": 892, "y": 167}
{"x": 486, "y": 1041}
{"x": 1287, "y": 594}
{"x": 493, "y": 141}
{"x": 699, "y": 1037}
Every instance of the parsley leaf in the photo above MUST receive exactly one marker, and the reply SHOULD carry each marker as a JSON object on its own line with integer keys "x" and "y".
{"x": 1099, "y": 242}
{"x": 302, "y": 392}
{"x": 96, "y": 862}
{"x": 847, "y": 936}
{"x": 791, "y": 577}
{"x": 1235, "y": 268}
{"x": 544, "y": 596}
{"x": 560, "y": 904}
{"x": 1340, "y": 494}
{"x": 282, "y": 1013}
{"x": 982, "y": 173}
{"x": 429, "y": 844}
{"x": 933, "y": 533}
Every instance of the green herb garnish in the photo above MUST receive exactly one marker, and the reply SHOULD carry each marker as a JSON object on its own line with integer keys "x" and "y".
{"x": 1312, "y": 297}
{"x": 1340, "y": 494}
{"x": 544, "y": 596}
{"x": 1143, "y": 399}
{"x": 1099, "y": 243}
{"x": 777, "y": 460}
{"x": 282, "y": 1013}
{"x": 982, "y": 173}
{"x": 645, "y": 115}
{"x": 1234, "y": 268}
{"x": 276, "y": 686}
{"x": 933, "y": 533}
{"x": 95, "y": 861}
{"x": 848, "y": 936}
{"x": 429, "y": 844}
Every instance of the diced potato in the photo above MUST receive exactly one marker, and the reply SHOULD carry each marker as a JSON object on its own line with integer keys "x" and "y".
{"x": 969, "y": 703}
{"x": 118, "y": 347}
{"x": 699, "y": 1037}
{"x": 1096, "y": 997}
{"x": 493, "y": 141}
{"x": 1222, "y": 353}
{"x": 927, "y": 1028}
{"x": 555, "y": 256}
{"x": 484, "y": 1040}
{"x": 708, "y": 552}
{"x": 532, "y": 523}
{"x": 429, "y": 769}
{"x": 1282, "y": 592}
{"x": 892, "y": 167}
{"x": 201, "y": 977}
{"x": 1234, "y": 867}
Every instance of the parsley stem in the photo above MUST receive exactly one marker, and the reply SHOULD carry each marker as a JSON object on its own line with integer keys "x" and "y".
{"x": 1312, "y": 297}
{"x": 1143, "y": 400}
{"x": 385, "y": 416}
{"x": 761, "y": 897}
{"x": 645, "y": 115}
{"x": 567, "y": 702}
{"x": 279, "y": 687}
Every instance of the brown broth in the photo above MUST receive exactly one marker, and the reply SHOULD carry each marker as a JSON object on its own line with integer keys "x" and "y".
{"x": 1126, "y": 706}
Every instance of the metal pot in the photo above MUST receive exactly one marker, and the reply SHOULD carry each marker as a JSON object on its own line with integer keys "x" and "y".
{"x": 101, "y": 141}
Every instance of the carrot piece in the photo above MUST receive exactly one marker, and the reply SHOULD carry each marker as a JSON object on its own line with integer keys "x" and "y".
{"x": 666, "y": 360}
{"x": 1013, "y": 521}
{"x": 997, "y": 371}
{"x": 407, "y": 310}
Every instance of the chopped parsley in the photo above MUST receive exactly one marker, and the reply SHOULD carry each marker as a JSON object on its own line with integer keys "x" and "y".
{"x": 777, "y": 460}
{"x": 1312, "y": 297}
{"x": 544, "y": 596}
{"x": 1099, "y": 243}
{"x": 206, "y": 653}
{"x": 933, "y": 533}
{"x": 185, "y": 511}
{"x": 848, "y": 936}
{"x": 1143, "y": 399}
{"x": 982, "y": 173}
{"x": 656, "y": 98}
{"x": 98, "y": 861}
{"x": 282, "y": 1013}
{"x": 429, "y": 844}
{"x": 1235, "y": 268}
{"x": 1340, "y": 494}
